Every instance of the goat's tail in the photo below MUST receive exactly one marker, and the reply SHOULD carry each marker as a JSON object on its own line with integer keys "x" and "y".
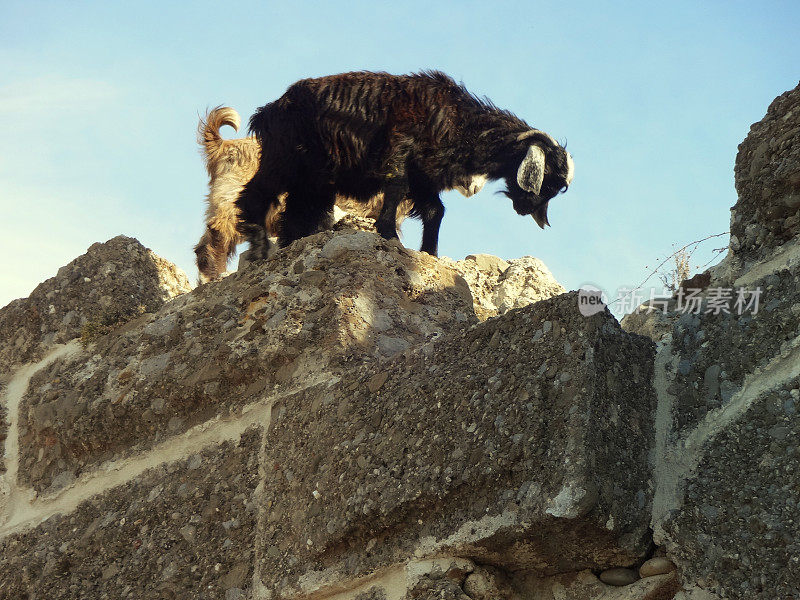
{"x": 208, "y": 130}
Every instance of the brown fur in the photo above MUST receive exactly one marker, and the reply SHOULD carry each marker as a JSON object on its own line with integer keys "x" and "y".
{"x": 230, "y": 165}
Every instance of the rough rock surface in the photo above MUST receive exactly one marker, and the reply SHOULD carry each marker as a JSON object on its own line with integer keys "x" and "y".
{"x": 313, "y": 311}
{"x": 360, "y": 437}
{"x": 767, "y": 213}
{"x": 727, "y": 502}
{"x": 112, "y": 283}
{"x": 3, "y": 426}
{"x": 461, "y": 579}
{"x": 181, "y": 530}
{"x": 738, "y": 531}
{"x": 498, "y": 286}
{"x": 651, "y": 322}
{"x": 708, "y": 375}
{"x": 538, "y": 459}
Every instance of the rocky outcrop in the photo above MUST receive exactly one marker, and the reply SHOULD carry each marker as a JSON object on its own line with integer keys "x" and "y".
{"x": 499, "y": 286}
{"x": 727, "y": 501}
{"x": 110, "y": 284}
{"x": 767, "y": 214}
{"x": 325, "y": 304}
{"x": 323, "y": 417}
{"x": 351, "y": 420}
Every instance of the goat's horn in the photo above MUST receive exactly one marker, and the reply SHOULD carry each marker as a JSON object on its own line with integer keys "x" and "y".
{"x": 537, "y": 133}
{"x": 531, "y": 171}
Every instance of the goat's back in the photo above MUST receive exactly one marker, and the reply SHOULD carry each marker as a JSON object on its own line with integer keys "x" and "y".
{"x": 353, "y": 118}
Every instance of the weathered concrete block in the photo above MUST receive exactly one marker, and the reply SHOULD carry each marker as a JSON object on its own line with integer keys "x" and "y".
{"x": 305, "y": 316}
{"x": 738, "y": 530}
{"x": 727, "y": 499}
{"x": 522, "y": 443}
{"x": 767, "y": 213}
{"x": 704, "y": 374}
{"x": 112, "y": 283}
{"x": 183, "y": 530}
{"x": 727, "y": 496}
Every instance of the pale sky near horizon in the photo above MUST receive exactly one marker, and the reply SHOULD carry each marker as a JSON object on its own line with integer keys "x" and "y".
{"x": 99, "y": 105}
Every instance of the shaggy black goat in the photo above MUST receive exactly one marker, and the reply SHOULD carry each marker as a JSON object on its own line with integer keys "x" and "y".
{"x": 408, "y": 136}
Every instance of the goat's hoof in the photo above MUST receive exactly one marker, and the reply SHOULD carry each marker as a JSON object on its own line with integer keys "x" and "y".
{"x": 389, "y": 235}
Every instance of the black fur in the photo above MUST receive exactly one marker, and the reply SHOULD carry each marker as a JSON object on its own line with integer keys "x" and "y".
{"x": 361, "y": 133}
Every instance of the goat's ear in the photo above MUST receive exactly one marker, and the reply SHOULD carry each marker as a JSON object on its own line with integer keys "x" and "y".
{"x": 531, "y": 170}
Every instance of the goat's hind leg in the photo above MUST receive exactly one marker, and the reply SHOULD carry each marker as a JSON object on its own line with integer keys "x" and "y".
{"x": 309, "y": 209}
{"x": 393, "y": 195}
{"x": 255, "y": 201}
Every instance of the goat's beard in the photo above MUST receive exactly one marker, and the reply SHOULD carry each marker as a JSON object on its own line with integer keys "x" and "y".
{"x": 540, "y": 215}
{"x": 531, "y": 204}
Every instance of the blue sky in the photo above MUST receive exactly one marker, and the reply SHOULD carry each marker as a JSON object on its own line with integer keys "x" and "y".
{"x": 99, "y": 103}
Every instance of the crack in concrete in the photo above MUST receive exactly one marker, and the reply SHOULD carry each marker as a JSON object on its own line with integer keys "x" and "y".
{"x": 787, "y": 257}
{"x": 11, "y": 495}
{"x": 667, "y": 475}
{"x": 676, "y": 462}
{"x": 778, "y": 371}
{"x": 25, "y": 513}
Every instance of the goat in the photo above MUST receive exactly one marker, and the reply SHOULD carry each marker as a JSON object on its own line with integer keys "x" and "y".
{"x": 407, "y": 136}
{"x": 230, "y": 165}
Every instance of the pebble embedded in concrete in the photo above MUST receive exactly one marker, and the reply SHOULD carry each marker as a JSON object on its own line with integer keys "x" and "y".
{"x": 618, "y": 576}
{"x": 656, "y": 566}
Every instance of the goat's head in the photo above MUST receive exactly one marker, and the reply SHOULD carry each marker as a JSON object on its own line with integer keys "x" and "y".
{"x": 544, "y": 170}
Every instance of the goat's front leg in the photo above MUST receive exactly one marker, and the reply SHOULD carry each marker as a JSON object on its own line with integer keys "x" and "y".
{"x": 428, "y": 206}
{"x": 432, "y": 211}
{"x": 386, "y": 223}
